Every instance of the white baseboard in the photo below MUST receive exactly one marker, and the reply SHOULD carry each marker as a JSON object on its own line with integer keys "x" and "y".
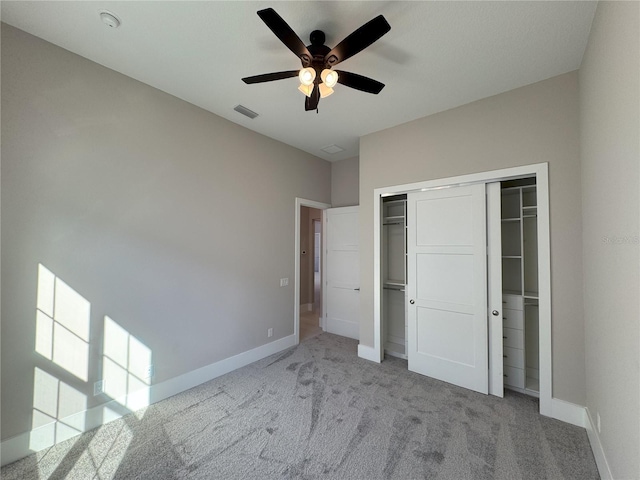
{"x": 17, "y": 447}
{"x": 567, "y": 412}
{"x": 580, "y": 416}
{"x": 368, "y": 353}
{"x": 306, "y": 307}
{"x": 596, "y": 447}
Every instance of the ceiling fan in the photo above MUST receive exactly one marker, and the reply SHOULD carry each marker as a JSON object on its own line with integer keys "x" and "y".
{"x": 317, "y": 78}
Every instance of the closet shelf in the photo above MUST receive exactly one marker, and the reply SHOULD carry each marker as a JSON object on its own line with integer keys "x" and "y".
{"x": 511, "y": 292}
{"x": 512, "y": 256}
{"x": 516, "y": 219}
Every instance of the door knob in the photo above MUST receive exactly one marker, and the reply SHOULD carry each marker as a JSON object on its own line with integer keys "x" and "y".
{"x": 412, "y": 301}
{"x": 495, "y": 313}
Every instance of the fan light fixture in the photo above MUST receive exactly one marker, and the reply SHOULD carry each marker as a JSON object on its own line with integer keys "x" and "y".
{"x": 329, "y": 77}
{"x": 325, "y": 91}
{"x": 307, "y": 76}
{"x": 306, "y": 89}
{"x": 318, "y": 59}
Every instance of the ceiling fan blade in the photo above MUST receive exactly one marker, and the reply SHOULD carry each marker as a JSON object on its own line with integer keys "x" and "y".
{"x": 286, "y": 35}
{"x": 270, "y": 77}
{"x": 358, "y": 40}
{"x": 311, "y": 103}
{"x": 359, "y": 82}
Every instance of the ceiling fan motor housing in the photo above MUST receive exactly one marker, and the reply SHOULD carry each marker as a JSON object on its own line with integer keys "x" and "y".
{"x": 318, "y": 51}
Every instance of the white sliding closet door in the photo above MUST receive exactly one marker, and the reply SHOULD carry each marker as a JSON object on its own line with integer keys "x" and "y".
{"x": 343, "y": 272}
{"x": 447, "y": 285}
{"x": 494, "y": 275}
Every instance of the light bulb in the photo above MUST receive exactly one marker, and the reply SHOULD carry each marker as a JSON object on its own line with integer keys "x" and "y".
{"x": 307, "y": 76}
{"x": 324, "y": 90}
{"x": 306, "y": 89}
{"x": 329, "y": 77}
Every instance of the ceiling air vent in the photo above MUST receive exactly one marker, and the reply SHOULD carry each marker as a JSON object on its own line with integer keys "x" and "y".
{"x": 245, "y": 111}
{"x": 332, "y": 149}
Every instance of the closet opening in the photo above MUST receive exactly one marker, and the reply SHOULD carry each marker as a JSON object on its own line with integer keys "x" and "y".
{"x": 515, "y": 321}
{"x": 394, "y": 272}
{"x": 520, "y": 315}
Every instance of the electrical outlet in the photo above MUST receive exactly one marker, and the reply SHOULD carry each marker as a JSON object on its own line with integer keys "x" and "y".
{"x": 598, "y": 421}
{"x": 98, "y": 387}
{"x": 150, "y": 372}
{"x": 284, "y": 282}
{"x": 270, "y": 332}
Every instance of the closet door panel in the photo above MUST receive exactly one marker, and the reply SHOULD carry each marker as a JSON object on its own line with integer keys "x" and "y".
{"x": 447, "y": 286}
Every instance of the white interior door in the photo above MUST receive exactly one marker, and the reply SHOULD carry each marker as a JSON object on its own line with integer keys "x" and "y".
{"x": 447, "y": 285}
{"x": 494, "y": 276}
{"x": 342, "y": 312}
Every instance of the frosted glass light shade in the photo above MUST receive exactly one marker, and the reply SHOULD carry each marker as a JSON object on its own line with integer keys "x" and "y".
{"x": 325, "y": 91}
{"x": 307, "y": 76}
{"x": 329, "y": 77}
{"x": 306, "y": 89}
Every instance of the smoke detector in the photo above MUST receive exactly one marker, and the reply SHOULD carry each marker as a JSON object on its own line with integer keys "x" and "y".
{"x": 109, "y": 19}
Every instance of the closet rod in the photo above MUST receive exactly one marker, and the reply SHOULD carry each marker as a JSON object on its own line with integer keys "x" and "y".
{"x": 399, "y": 289}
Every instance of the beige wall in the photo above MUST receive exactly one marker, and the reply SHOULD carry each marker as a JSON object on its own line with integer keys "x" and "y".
{"x": 345, "y": 177}
{"x": 532, "y": 124}
{"x": 174, "y": 222}
{"x": 609, "y": 120}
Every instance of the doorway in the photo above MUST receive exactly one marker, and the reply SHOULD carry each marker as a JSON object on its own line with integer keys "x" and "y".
{"x": 310, "y": 272}
{"x": 317, "y": 262}
{"x": 540, "y": 172}
{"x": 309, "y": 268}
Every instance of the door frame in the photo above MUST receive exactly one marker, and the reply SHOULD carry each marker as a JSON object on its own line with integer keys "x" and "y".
{"x": 541, "y": 172}
{"x": 303, "y": 202}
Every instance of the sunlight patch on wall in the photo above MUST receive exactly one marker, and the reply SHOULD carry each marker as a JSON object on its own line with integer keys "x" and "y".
{"x": 62, "y": 324}
{"x": 126, "y": 361}
{"x": 55, "y": 411}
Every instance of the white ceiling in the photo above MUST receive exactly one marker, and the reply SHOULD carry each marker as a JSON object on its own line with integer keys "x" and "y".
{"x": 438, "y": 55}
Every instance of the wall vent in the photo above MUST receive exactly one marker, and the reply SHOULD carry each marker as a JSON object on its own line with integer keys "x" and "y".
{"x": 245, "y": 111}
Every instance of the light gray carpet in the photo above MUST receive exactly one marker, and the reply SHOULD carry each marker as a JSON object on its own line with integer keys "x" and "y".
{"x": 318, "y": 411}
